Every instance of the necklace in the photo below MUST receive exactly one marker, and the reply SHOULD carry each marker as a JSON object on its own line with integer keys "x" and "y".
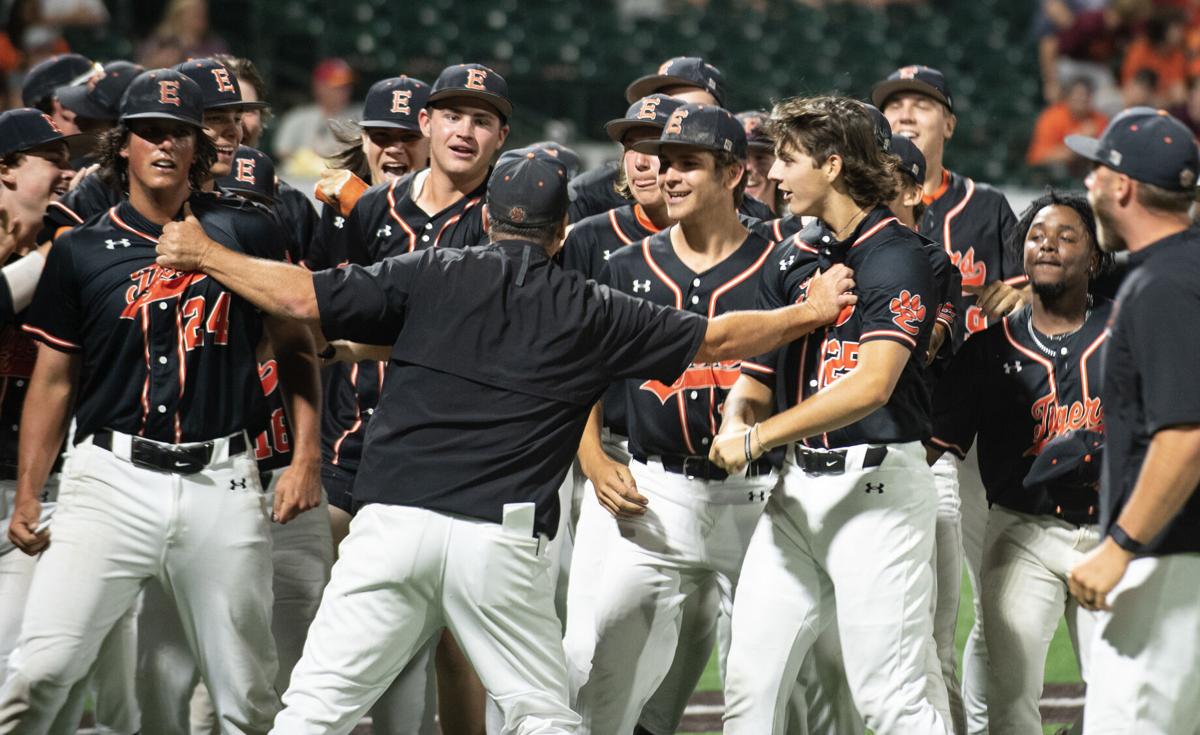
{"x": 838, "y": 235}
{"x": 1055, "y": 338}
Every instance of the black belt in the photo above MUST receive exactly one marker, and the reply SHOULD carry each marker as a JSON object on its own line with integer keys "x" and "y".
{"x": 184, "y": 460}
{"x": 700, "y": 468}
{"x": 833, "y": 461}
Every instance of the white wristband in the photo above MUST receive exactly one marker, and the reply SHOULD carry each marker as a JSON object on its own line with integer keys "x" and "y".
{"x": 22, "y": 277}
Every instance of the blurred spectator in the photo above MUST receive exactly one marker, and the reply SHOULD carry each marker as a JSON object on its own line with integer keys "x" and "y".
{"x": 304, "y": 138}
{"x": 1079, "y": 38}
{"x": 1159, "y": 47}
{"x": 183, "y": 34}
{"x": 1189, "y": 111}
{"x": 1075, "y": 114}
{"x": 1142, "y": 89}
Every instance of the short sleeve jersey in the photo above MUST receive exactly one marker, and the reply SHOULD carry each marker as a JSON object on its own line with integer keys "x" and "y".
{"x": 896, "y": 302}
{"x": 680, "y": 418}
{"x": 498, "y": 356}
{"x": 299, "y": 216}
{"x": 17, "y": 355}
{"x": 1150, "y": 377}
{"x": 90, "y": 197}
{"x": 780, "y": 228}
{"x": 1013, "y": 389}
{"x": 165, "y": 355}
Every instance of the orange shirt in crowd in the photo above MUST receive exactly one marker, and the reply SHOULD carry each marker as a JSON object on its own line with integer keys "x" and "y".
{"x": 1171, "y": 67}
{"x": 1053, "y": 125}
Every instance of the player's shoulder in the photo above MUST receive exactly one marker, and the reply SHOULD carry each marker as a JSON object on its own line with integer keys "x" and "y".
{"x": 981, "y": 193}
{"x": 91, "y": 196}
{"x": 594, "y": 178}
{"x": 635, "y": 253}
{"x": 593, "y": 224}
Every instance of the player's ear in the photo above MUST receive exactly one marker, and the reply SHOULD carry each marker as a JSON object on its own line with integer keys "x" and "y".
{"x": 423, "y": 119}
{"x": 503, "y": 136}
{"x": 734, "y": 174}
{"x": 832, "y": 167}
{"x": 8, "y": 176}
{"x": 951, "y": 122}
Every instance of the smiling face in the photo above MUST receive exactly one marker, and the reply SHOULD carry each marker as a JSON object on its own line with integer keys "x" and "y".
{"x": 805, "y": 185}
{"x": 464, "y": 136}
{"x": 160, "y": 154}
{"x": 41, "y": 176}
{"x": 393, "y": 152}
{"x": 1059, "y": 253}
{"x": 921, "y": 119}
{"x": 691, "y": 183}
{"x": 252, "y": 119}
{"x": 758, "y": 183}
{"x": 224, "y": 128}
{"x": 641, "y": 169}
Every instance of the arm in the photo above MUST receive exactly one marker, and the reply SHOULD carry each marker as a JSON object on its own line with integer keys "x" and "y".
{"x": 299, "y": 488}
{"x": 748, "y": 403}
{"x": 1167, "y": 480}
{"x": 44, "y": 420}
{"x": 611, "y": 480}
{"x": 345, "y": 351}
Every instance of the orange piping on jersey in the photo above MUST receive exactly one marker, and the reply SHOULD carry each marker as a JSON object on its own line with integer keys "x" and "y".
{"x": 886, "y": 333}
{"x": 412, "y": 236}
{"x": 644, "y": 219}
{"x": 49, "y": 337}
{"x": 1049, "y": 366}
{"x": 947, "y": 445}
{"x": 179, "y": 348}
{"x": 958, "y": 208}
{"x": 756, "y": 367}
{"x": 1083, "y": 372}
{"x": 878, "y": 226}
{"x": 146, "y": 384}
{"x": 70, "y": 212}
{"x": 337, "y": 446}
{"x": 612, "y": 220}
{"x": 775, "y": 228}
{"x": 658, "y": 272}
{"x": 928, "y": 199}
{"x": 112, "y": 214}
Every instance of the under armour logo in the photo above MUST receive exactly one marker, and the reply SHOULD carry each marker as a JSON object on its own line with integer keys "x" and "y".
{"x": 787, "y": 262}
{"x": 1012, "y": 367}
{"x": 873, "y": 487}
{"x": 239, "y": 484}
{"x": 112, "y": 244}
{"x": 641, "y": 286}
{"x": 385, "y": 231}
{"x": 607, "y": 253}
{"x": 759, "y": 495}
{"x": 339, "y": 222}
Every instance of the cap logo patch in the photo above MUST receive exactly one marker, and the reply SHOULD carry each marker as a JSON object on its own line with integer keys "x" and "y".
{"x": 909, "y": 72}
{"x": 400, "y": 100}
{"x": 1187, "y": 178}
{"x": 168, "y": 92}
{"x": 516, "y": 215}
{"x": 675, "y": 124}
{"x": 245, "y": 171}
{"x": 915, "y": 170}
{"x": 50, "y": 121}
{"x": 475, "y": 79}
{"x": 1114, "y": 157}
{"x": 727, "y": 145}
{"x": 224, "y": 83}
{"x": 649, "y": 108}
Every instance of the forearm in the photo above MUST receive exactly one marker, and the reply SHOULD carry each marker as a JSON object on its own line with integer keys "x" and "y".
{"x": 741, "y": 334}
{"x": 44, "y": 419}
{"x": 846, "y": 401}
{"x": 357, "y": 352}
{"x": 591, "y": 449}
{"x": 748, "y": 403}
{"x": 1167, "y": 480}
{"x": 278, "y": 288}
{"x": 299, "y": 379}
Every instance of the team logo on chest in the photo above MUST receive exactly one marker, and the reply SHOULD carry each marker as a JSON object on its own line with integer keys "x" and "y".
{"x": 385, "y": 231}
{"x": 155, "y": 283}
{"x": 641, "y": 286}
{"x": 1011, "y": 367}
{"x": 112, "y": 244}
{"x": 973, "y": 274}
{"x": 704, "y": 375}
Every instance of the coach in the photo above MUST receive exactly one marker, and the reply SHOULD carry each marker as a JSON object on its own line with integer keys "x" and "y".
{"x": 1145, "y": 571}
{"x": 498, "y": 356}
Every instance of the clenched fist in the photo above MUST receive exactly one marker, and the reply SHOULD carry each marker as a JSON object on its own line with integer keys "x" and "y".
{"x": 183, "y": 245}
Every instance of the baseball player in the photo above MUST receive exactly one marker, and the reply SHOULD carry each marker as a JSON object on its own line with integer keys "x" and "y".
{"x": 1025, "y": 380}
{"x": 852, "y": 522}
{"x": 760, "y": 156}
{"x": 42, "y": 83}
{"x": 96, "y": 101}
{"x": 707, "y": 263}
{"x": 1143, "y": 572}
{"x": 162, "y": 483}
{"x": 498, "y": 357}
{"x": 972, "y": 221}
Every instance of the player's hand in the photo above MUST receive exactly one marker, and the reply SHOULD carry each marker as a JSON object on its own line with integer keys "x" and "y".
{"x": 1093, "y": 578}
{"x": 23, "y": 528}
{"x": 998, "y": 299}
{"x": 183, "y": 245}
{"x": 729, "y": 449}
{"x": 80, "y": 175}
{"x": 936, "y": 339}
{"x": 615, "y": 488}
{"x": 829, "y": 293}
{"x": 298, "y": 490}
{"x": 340, "y": 188}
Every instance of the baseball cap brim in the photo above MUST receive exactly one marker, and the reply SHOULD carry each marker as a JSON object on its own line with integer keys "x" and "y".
{"x": 502, "y": 105}
{"x": 240, "y": 104}
{"x": 616, "y": 129}
{"x": 648, "y": 85}
{"x": 75, "y": 98}
{"x": 760, "y": 145}
{"x": 413, "y": 126}
{"x": 249, "y": 191}
{"x": 1085, "y": 146}
{"x": 653, "y": 146}
{"x": 884, "y": 90}
{"x": 163, "y": 116}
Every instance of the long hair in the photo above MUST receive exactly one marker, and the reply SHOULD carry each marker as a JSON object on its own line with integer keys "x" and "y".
{"x": 349, "y": 155}
{"x": 114, "y": 169}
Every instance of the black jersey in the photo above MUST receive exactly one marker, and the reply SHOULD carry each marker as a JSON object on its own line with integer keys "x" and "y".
{"x": 90, "y": 197}
{"x": 1150, "y": 377}
{"x": 17, "y": 354}
{"x": 780, "y": 228}
{"x": 1013, "y": 389}
{"x": 680, "y": 418}
{"x": 273, "y": 445}
{"x": 165, "y": 355}
{"x": 896, "y": 302}
{"x": 973, "y": 221}
{"x": 299, "y": 217}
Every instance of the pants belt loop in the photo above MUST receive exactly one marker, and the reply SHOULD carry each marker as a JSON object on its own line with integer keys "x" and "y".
{"x": 122, "y": 446}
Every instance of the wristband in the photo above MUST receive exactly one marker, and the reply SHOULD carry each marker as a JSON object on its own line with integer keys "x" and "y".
{"x": 328, "y": 352}
{"x": 1124, "y": 540}
{"x": 749, "y": 454}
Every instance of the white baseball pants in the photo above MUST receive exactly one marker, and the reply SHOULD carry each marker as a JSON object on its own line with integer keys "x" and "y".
{"x": 973, "y": 507}
{"x": 856, "y": 547}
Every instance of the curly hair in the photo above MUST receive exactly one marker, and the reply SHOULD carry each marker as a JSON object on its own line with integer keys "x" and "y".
{"x": 114, "y": 169}
{"x": 1015, "y": 243}
{"x": 826, "y": 126}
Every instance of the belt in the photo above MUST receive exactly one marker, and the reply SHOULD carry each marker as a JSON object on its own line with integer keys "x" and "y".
{"x": 1077, "y": 517}
{"x": 699, "y": 468}
{"x": 833, "y": 461}
{"x": 183, "y": 459}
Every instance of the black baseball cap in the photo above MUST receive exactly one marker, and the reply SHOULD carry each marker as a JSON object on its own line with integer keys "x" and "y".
{"x": 754, "y": 122}
{"x": 922, "y": 79}
{"x": 912, "y": 160}
{"x": 218, "y": 84}
{"x": 1070, "y": 459}
{"x": 691, "y": 71}
{"x": 472, "y": 80}
{"x": 26, "y": 128}
{"x": 99, "y": 98}
{"x": 48, "y": 75}
{"x": 252, "y": 173}
{"x": 651, "y": 111}
{"x": 394, "y": 103}
{"x": 1146, "y": 144}
{"x": 561, "y": 153}
{"x": 528, "y": 191}
{"x": 883, "y": 128}
{"x": 707, "y": 127}
{"x": 165, "y": 94}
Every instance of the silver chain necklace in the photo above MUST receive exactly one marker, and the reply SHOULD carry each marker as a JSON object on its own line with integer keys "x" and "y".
{"x": 1058, "y": 338}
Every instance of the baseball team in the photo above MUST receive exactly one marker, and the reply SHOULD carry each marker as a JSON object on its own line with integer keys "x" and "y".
{"x": 490, "y": 444}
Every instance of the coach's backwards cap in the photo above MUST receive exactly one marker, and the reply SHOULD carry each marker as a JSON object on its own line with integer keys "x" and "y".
{"x": 165, "y": 94}
{"x": 547, "y": 151}
{"x": 99, "y": 98}
{"x": 528, "y": 191}
{"x": 218, "y": 84}
{"x": 921, "y": 79}
{"x": 706, "y": 127}
{"x": 253, "y": 173}
{"x": 394, "y": 103}
{"x": 754, "y": 122}
{"x": 912, "y": 160}
{"x": 472, "y": 80}
{"x": 651, "y": 111}
{"x": 48, "y": 75}
{"x": 26, "y": 128}
{"x": 691, "y": 71}
{"x": 1145, "y": 144}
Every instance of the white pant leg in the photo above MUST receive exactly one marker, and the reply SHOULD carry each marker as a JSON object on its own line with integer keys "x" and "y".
{"x": 562, "y": 546}
{"x": 822, "y": 703}
{"x": 113, "y": 676}
{"x": 1144, "y": 678}
{"x": 382, "y": 605}
{"x": 1025, "y": 565}
{"x": 499, "y": 605}
{"x": 167, "y": 673}
{"x": 948, "y": 566}
{"x": 974, "y": 507}
{"x": 663, "y": 711}
{"x": 594, "y": 534}
{"x": 409, "y": 705}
